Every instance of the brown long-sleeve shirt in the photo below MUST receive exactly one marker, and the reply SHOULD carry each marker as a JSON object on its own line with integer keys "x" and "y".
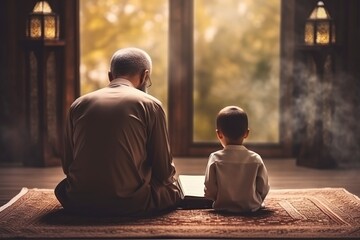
{"x": 117, "y": 157}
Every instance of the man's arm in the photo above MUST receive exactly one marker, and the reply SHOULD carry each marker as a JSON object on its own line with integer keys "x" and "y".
{"x": 68, "y": 144}
{"x": 158, "y": 150}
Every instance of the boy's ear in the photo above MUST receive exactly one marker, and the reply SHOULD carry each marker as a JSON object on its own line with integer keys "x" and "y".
{"x": 247, "y": 133}
{"x": 219, "y": 134}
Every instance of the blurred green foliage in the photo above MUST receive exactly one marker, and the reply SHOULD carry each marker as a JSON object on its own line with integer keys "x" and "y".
{"x": 236, "y": 55}
{"x": 237, "y": 63}
{"x": 106, "y": 26}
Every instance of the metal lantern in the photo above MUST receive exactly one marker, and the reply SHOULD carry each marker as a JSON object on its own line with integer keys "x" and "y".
{"x": 42, "y": 23}
{"x": 319, "y": 27}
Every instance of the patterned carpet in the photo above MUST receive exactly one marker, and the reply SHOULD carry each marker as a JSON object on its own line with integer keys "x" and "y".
{"x": 307, "y": 213}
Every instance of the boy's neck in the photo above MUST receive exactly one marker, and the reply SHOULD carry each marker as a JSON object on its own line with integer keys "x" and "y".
{"x": 233, "y": 144}
{"x": 238, "y": 142}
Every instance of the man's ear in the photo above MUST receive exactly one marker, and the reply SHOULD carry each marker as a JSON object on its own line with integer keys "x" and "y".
{"x": 110, "y": 76}
{"x": 143, "y": 77}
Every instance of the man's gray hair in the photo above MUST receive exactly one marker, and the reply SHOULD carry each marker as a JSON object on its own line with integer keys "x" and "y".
{"x": 129, "y": 62}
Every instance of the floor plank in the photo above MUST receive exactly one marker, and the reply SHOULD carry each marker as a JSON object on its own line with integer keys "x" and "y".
{"x": 283, "y": 173}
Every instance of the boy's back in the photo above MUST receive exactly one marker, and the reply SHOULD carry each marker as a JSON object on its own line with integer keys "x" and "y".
{"x": 236, "y": 179}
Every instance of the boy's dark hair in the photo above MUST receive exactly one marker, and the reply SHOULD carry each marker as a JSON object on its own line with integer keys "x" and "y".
{"x": 232, "y": 121}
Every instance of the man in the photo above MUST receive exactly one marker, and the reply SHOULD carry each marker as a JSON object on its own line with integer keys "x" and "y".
{"x": 117, "y": 159}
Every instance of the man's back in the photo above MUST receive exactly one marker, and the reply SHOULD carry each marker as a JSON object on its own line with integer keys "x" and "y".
{"x": 109, "y": 153}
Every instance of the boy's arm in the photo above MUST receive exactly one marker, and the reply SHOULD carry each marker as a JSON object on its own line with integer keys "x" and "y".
{"x": 210, "y": 183}
{"x": 262, "y": 181}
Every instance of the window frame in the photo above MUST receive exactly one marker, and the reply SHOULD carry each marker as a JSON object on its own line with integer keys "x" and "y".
{"x": 181, "y": 79}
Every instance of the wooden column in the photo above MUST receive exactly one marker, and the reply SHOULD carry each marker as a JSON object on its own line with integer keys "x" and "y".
{"x": 44, "y": 60}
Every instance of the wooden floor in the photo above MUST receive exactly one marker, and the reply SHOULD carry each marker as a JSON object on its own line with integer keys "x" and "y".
{"x": 283, "y": 173}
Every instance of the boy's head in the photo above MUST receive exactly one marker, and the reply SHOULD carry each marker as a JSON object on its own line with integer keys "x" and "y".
{"x": 232, "y": 123}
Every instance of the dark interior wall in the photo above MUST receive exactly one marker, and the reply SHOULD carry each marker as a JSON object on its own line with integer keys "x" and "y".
{"x": 345, "y": 95}
{"x": 12, "y": 119}
{"x": 13, "y": 15}
{"x": 349, "y": 81}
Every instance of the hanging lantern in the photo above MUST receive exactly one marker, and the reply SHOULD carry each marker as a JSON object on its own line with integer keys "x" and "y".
{"x": 42, "y": 23}
{"x": 319, "y": 27}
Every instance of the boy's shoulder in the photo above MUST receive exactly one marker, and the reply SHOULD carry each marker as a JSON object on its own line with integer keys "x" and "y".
{"x": 236, "y": 151}
{"x": 254, "y": 154}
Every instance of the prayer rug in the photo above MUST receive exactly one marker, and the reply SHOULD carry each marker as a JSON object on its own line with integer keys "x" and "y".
{"x": 291, "y": 213}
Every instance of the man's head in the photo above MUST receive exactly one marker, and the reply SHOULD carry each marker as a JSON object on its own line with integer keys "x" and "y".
{"x": 132, "y": 64}
{"x": 232, "y": 123}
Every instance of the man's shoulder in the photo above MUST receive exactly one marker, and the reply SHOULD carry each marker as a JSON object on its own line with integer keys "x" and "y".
{"x": 152, "y": 99}
{"x": 84, "y": 98}
{"x": 134, "y": 95}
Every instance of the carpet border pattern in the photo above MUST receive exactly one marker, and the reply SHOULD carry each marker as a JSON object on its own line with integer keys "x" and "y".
{"x": 335, "y": 220}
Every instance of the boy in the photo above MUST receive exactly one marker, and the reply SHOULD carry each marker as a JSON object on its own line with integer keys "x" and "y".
{"x": 235, "y": 178}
